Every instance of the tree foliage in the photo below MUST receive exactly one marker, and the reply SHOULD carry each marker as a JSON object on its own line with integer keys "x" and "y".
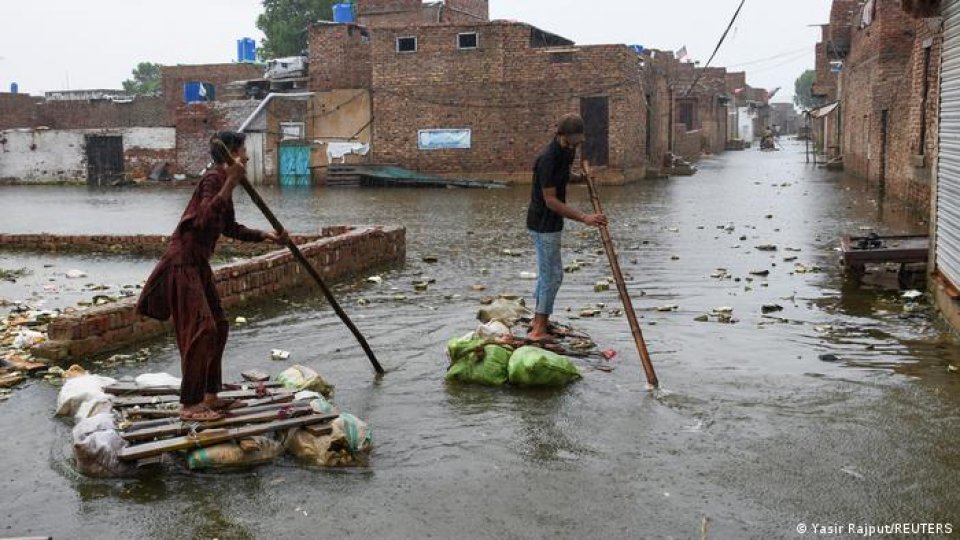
{"x": 145, "y": 81}
{"x": 284, "y": 23}
{"x": 803, "y": 90}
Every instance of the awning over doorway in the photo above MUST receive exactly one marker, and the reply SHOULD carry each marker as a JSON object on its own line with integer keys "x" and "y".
{"x": 820, "y": 112}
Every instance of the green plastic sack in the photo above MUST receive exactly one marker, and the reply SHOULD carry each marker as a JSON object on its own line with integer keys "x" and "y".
{"x": 531, "y": 366}
{"x": 490, "y": 369}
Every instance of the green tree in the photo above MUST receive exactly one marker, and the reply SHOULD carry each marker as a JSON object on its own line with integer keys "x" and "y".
{"x": 145, "y": 81}
{"x": 284, "y": 23}
{"x": 803, "y": 90}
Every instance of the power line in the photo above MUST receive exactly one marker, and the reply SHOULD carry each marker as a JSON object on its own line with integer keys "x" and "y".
{"x": 717, "y": 49}
{"x": 774, "y": 57}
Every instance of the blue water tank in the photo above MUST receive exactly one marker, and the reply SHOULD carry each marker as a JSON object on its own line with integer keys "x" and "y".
{"x": 246, "y": 50}
{"x": 14, "y": 88}
{"x": 343, "y": 13}
{"x": 197, "y": 92}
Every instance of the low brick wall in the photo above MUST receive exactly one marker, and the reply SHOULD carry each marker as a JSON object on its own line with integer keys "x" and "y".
{"x": 141, "y": 244}
{"x": 115, "y": 326}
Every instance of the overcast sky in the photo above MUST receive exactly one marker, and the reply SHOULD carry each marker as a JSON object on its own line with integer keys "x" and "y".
{"x": 59, "y": 44}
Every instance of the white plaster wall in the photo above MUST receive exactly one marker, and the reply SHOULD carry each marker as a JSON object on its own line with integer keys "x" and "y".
{"x": 61, "y": 154}
{"x": 58, "y": 155}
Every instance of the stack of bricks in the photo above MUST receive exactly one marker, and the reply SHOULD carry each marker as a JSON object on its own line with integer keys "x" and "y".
{"x": 115, "y": 326}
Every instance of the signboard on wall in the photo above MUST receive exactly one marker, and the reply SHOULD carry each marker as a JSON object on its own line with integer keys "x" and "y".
{"x": 444, "y": 139}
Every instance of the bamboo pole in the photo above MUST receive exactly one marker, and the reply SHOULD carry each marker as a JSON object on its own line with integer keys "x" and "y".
{"x": 305, "y": 263}
{"x": 621, "y": 284}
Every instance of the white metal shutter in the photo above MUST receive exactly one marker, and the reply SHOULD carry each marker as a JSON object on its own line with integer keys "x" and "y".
{"x": 948, "y": 184}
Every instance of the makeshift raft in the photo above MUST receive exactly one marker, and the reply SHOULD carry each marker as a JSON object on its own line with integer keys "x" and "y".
{"x": 123, "y": 426}
{"x": 151, "y": 419}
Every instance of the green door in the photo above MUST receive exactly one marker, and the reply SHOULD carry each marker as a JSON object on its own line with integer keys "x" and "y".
{"x": 295, "y": 165}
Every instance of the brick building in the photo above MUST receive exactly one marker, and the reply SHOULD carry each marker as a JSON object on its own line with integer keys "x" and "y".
{"x": 377, "y": 13}
{"x": 887, "y": 90}
{"x": 216, "y": 75}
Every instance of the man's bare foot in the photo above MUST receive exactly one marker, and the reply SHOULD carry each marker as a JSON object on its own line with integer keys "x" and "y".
{"x": 199, "y": 413}
{"x": 540, "y": 337}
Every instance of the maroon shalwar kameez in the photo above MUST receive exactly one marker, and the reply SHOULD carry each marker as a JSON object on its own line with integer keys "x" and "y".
{"x": 182, "y": 286}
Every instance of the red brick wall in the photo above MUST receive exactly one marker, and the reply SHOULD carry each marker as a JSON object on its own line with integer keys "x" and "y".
{"x": 195, "y": 124}
{"x": 174, "y": 77}
{"x": 142, "y": 112}
{"x": 910, "y": 165}
{"x": 136, "y": 245}
{"x": 18, "y": 111}
{"x": 115, "y": 326}
{"x": 656, "y": 77}
{"x": 875, "y": 72}
{"x": 341, "y": 57}
{"x": 498, "y": 92}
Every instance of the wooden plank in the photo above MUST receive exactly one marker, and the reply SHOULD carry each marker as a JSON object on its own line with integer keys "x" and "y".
{"x": 181, "y": 428}
{"x": 217, "y": 436}
{"x": 129, "y": 388}
{"x": 277, "y": 401}
{"x": 318, "y": 430}
{"x": 133, "y": 401}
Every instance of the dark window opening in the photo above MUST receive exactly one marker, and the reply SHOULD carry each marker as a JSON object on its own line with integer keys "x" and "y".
{"x": 540, "y": 39}
{"x": 562, "y": 58}
{"x": 688, "y": 114}
{"x": 468, "y": 41}
{"x": 925, "y": 103}
{"x": 407, "y": 44}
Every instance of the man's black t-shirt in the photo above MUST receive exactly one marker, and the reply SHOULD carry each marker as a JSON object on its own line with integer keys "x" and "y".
{"x": 551, "y": 170}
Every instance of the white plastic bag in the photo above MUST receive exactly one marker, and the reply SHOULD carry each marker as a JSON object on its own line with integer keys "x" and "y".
{"x": 155, "y": 380}
{"x": 77, "y": 391}
{"x": 492, "y": 329}
{"x": 300, "y": 378}
{"x": 28, "y": 338}
{"x": 97, "y": 446}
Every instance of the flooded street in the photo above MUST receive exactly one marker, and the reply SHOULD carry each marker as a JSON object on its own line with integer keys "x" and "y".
{"x": 752, "y": 430}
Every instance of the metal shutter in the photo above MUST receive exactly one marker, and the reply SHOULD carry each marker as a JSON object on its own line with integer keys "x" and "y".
{"x": 948, "y": 184}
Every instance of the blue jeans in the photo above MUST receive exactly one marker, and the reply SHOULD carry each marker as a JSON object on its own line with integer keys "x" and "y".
{"x": 549, "y": 270}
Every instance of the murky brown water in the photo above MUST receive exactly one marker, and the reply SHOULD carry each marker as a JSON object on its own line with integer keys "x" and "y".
{"x": 752, "y": 430}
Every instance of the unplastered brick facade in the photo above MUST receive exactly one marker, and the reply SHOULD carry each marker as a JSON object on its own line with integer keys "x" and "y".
{"x": 377, "y": 13}
{"x": 499, "y": 92}
{"x": 219, "y": 75}
{"x": 344, "y": 61}
{"x": 20, "y": 111}
{"x": 888, "y": 92}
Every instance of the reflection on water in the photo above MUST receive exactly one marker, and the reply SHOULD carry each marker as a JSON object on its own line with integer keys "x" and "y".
{"x": 755, "y": 427}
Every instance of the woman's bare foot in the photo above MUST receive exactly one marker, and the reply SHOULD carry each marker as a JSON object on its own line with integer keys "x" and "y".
{"x": 218, "y": 404}
{"x": 199, "y": 413}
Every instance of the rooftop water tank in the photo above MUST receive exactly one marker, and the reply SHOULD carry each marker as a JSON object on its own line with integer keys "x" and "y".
{"x": 14, "y": 88}
{"x": 246, "y": 50}
{"x": 343, "y": 13}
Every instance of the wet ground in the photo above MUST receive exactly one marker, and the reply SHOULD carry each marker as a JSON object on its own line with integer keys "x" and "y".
{"x": 752, "y": 430}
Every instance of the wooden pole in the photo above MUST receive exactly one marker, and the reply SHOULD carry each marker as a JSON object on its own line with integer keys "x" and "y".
{"x": 305, "y": 263}
{"x": 621, "y": 284}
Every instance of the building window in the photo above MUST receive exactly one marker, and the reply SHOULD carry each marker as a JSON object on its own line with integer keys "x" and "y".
{"x": 292, "y": 131}
{"x": 470, "y": 40}
{"x": 688, "y": 113}
{"x": 406, "y": 44}
{"x": 562, "y": 58}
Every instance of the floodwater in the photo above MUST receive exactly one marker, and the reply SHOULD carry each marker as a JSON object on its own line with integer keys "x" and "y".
{"x": 752, "y": 432}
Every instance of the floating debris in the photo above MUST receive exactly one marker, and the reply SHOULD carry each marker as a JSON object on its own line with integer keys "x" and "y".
{"x": 760, "y": 273}
{"x": 528, "y": 275}
{"x": 279, "y": 354}
{"x": 702, "y": 318}
{"x": 829, "y": 358}
{"x": 912, "y": 295}
{"x": 602, "y": 285}
{"x": 431, "y": 259}
{"x": 478, "y": 288}
{"x": 771, "y": 308}
{"x": 766, "y": 247}
{"x": 375, "y": 279}
{"x": 76, "y": 274}
{"x": 512, "y": 252}
{"x": 668, "y": 308}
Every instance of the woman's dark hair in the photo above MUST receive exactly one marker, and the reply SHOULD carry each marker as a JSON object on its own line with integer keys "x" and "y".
{"x": 231, "y": 139}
